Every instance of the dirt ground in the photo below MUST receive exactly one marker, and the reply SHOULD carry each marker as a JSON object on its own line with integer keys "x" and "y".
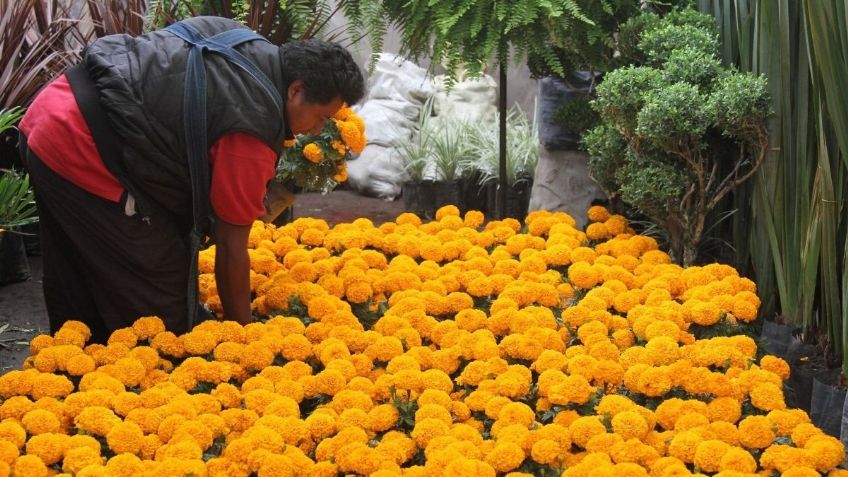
{"x": 22, "y": 310}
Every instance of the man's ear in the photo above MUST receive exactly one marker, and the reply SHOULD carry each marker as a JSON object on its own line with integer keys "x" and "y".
{"x": 295, "y": 88}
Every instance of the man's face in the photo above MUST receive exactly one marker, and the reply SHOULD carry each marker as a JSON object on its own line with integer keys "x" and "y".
{"x": 304, "y": 116}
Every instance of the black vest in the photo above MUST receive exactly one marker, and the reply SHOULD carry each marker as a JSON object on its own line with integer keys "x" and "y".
{"x": 141, "y": 84}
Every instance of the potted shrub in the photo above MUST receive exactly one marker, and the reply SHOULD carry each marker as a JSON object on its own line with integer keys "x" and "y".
{"x": 448, "y": 146}
{"x": 17, "y": 209}
{"x": 680, "y": 132}
{"x": 522, "y": 156}
{"x": 415, "y": 155}
{"x": 585, "y": 50}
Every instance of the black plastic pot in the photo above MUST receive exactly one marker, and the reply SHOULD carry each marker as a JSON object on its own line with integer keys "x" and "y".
{"x": 418, "y": 198}
{"x": 827, "y": 403}
{"x": 517, "y": 199}
{"x": 775, "y": 338}
{"x": 553, "y": 93}
{"x": 843, "y": 434}
{"x": 445, "y": 193}
{"x": 473, "y": 195}
{"x": 14, "y": 265}
{"x": 800, "y": 382}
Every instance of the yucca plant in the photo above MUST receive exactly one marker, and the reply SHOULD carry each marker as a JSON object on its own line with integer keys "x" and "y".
{"x": 800, "y": 194}
{"x": 522, "y": 152}
{"x": 449, "y": 146}
{"x": 828, "y": 35}
{"x": 17, "y": 202}
{"x": 415, "y": 153}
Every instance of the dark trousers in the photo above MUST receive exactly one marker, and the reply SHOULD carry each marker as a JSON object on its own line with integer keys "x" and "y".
{"x": 102, "y": 267}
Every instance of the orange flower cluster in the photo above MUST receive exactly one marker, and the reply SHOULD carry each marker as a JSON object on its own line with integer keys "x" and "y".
{"x": 454, "y": 347}
{"x": 318, "y": 161}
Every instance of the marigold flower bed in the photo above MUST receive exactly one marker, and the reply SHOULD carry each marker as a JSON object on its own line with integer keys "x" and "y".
{"x": 449, "y": 348}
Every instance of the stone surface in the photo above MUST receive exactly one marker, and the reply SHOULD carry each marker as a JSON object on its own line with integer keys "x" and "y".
{"x": 562, "y": 183}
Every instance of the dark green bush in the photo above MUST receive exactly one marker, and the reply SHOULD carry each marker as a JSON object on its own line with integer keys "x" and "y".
{"x": 673, "y": 118}
{"x": 577, "y": 116}
{"x": 607, "y": 151}
{"x": 677, "y": 132}
{"x": 622, "y": 94}
{"x": 692, "y": 66}
{"x": 657, "y": 44}
{"x": 654, "y": 184}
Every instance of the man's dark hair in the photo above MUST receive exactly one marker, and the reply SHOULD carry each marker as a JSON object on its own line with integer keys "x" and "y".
{"x": 326, "y": 69}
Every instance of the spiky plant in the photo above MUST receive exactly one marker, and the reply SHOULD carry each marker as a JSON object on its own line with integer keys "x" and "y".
{"x": 38, "y": 40}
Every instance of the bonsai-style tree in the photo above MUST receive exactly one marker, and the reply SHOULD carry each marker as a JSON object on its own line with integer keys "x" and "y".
{"x": 680, "y": 131}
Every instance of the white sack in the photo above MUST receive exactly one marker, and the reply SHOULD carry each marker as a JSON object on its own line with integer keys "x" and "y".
{"x": 397, "y": 90}
{"x": 381, "y": 175}
{"x": 470, "y": 100}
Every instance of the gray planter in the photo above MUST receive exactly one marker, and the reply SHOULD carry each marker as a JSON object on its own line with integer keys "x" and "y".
{"x": 553, "y": 93}
{"x": 419, "y": 199}
{"x": 775, "y": 338}
{"x": 827, "y": 404}
{"x": 800, "y": 382}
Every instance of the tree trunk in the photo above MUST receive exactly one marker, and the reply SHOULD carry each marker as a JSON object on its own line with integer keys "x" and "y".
{"x": 690, "y": 253}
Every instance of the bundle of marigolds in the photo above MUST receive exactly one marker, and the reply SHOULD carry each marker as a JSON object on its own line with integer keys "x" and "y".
{"x": 317, "y": 162}
{"x": 446, "y": 348}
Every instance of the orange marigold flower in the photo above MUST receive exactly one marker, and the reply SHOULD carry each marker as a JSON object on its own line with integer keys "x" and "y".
{"x": 629, "y": 425}
{"x": 767, "y": 396}
{"x": 40, "y": 421}
{"x": 313, "y": 153}
{"x": 124, "y": 465}
{"x": 125, "y": 437}
{"x": 505, "y": 456}
{"x": 148, "y": 326}
{"x": 40, "y": 342}
{"x": 96, "y": 420}
{"x": 737, "y": 460}
{"x": 597, "y": 231}
{"x": 8, "y": 452}
{"x": 358, "y": 292}
{"x": 584, "y": 428}
{"x": 583, "y": 275}
{"x": 775, "y": 365}
{"x": 756, "y": 432}
{"x": 352, "y": 136}
{"x": 598, "y": 213}
{"x": 79, "y": 458}
{"x": 709, "y": 454}
{"x": 30, "y": 466}
{"x": 50, "y": 448}
{"x": 826, "y": 452}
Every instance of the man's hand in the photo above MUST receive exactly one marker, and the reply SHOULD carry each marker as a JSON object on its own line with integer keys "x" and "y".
{"x": 232, "y": 270}
{"x": 277, "y": 199}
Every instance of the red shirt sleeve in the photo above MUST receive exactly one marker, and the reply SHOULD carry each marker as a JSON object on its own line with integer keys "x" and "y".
{"x": 57, "y": 133}
{"x": 241, "y": 165}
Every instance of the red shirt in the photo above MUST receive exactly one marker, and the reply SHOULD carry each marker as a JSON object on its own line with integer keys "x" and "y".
{"x": 241, "y": 164}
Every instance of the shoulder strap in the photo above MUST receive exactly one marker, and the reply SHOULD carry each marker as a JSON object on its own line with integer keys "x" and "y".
{"x": 195, "y": 124}
{"x": 106, "y": 140}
